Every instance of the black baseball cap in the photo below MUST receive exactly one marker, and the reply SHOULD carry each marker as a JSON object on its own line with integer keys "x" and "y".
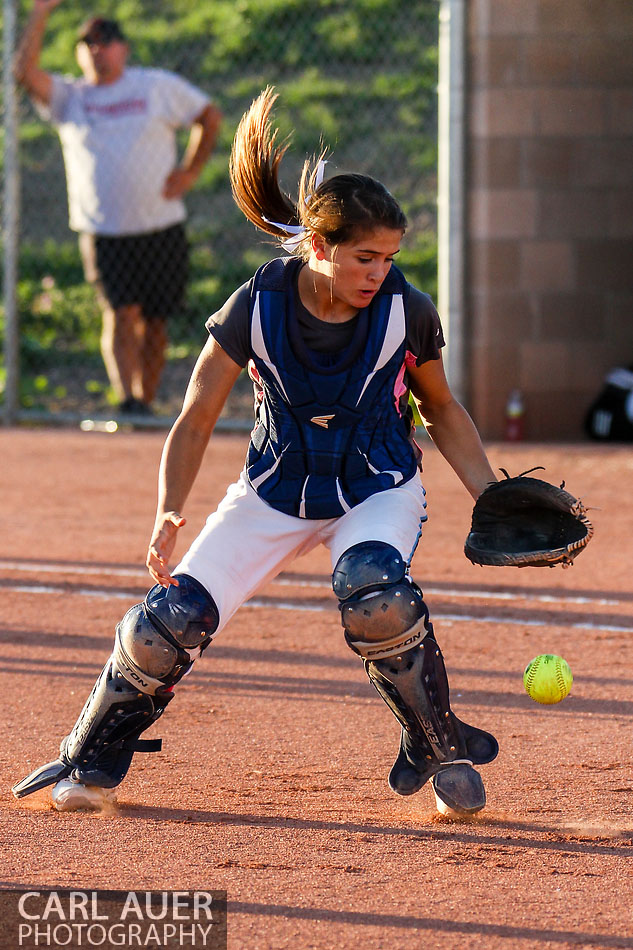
{"x": 99, "y": 30}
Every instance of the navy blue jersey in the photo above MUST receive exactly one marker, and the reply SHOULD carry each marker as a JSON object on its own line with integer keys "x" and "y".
{"x": 329, "y": 432}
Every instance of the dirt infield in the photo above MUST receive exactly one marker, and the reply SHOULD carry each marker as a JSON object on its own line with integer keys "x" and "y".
{"x": 272, "y": 779}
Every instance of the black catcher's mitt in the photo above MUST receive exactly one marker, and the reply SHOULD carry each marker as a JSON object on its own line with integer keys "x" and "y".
{"x": 526, "y": 522}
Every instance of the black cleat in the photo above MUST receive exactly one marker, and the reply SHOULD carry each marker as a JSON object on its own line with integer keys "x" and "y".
{"x": 459, "y": 790}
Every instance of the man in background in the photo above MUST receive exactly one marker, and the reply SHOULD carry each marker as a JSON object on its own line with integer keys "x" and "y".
{"x": 117, "y": 125}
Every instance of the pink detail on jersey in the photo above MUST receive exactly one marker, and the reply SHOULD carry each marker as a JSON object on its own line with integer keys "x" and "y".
{"x": 254, "y": 375}
{"x": 399, "y": 389}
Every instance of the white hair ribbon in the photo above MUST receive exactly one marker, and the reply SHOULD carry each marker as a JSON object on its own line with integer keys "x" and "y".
{"x": 296, "y": 231}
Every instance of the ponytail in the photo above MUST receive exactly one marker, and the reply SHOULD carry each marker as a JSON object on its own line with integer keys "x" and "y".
{"x": 254, "y": 170}
{"x": 338, "y": 209}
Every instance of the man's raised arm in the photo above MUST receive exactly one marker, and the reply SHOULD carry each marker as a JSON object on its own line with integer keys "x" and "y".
{"x": 26, "y": 70}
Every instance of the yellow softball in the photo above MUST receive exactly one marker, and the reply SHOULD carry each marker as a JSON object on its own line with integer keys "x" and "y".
{"x": 547, "y": 679}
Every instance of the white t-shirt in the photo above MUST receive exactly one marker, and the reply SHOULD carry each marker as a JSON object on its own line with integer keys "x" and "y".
{"x": 119, "y": 146}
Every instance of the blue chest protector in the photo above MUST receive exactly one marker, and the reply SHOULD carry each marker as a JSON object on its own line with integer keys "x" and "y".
{"x": 328, "y": 433}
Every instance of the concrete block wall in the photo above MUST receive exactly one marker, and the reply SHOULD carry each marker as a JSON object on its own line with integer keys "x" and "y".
{"x": 549, "y": 235}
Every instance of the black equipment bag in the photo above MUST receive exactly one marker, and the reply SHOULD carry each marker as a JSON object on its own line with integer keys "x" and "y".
{"x": 610, "y": 416}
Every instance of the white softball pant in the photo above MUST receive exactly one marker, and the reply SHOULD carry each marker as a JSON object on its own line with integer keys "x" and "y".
{"x": 246, "y": 543}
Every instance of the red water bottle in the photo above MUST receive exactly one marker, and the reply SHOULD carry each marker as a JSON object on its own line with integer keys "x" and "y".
{"x": 515, "y": 417}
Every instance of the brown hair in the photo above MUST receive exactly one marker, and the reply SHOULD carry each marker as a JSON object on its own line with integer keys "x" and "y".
{"x": 338, "y": 209}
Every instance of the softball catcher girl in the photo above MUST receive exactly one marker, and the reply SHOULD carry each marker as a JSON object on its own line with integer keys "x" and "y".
{"x": 334, "y": 339}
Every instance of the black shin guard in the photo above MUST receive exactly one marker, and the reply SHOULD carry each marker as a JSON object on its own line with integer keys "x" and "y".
{"x": 156, "y": 643}
{"x": 100, "y": 747}
{"x": 387, "y": 623}
{"x": 106, "y": 735}
{"x": 415, "y": 687}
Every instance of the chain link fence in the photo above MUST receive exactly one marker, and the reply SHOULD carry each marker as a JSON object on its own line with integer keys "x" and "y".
{"x": 360, "y": 75}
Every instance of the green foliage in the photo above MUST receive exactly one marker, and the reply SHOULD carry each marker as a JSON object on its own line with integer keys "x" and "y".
{"x": 58, "y": 311}
{"x": 359, "y": 75}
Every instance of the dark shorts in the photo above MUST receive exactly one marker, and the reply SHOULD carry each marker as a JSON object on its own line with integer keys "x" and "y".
{"x": 147, "y": 269}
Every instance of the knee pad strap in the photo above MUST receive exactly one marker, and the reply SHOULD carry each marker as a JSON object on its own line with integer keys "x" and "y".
{"x": 386, "y": 624}
{"x": 392, "y": 647}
